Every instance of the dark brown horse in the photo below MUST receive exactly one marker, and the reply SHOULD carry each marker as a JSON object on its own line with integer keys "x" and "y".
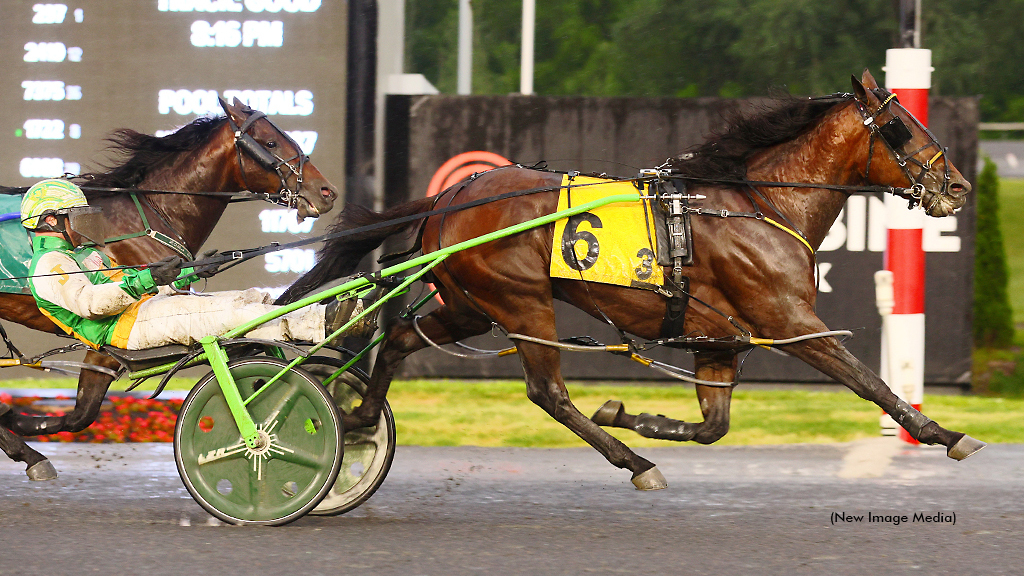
{"x": 203, "y": 156}
{"x": 756, "y": 275}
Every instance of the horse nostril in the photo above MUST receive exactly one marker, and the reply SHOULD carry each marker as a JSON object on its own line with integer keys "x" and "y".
{"x": 328, "y": 193}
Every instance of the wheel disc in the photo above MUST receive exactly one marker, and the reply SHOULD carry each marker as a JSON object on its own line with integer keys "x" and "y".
{"x": 295, "y": 462}
{"x": 368, "y": 451}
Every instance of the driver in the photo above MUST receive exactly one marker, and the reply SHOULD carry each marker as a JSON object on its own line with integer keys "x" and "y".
{"x": 137, "y": 309}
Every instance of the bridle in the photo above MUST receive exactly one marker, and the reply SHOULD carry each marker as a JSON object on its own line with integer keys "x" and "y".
{"x": 895, "y": 134}
{"x": 269, "y": 160}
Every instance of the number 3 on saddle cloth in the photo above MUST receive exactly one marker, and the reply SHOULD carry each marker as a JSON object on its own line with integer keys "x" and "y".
{"x": 625, "y": 244}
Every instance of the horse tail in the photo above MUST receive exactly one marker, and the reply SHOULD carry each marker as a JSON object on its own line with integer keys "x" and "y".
{"x": 340, "y": 257}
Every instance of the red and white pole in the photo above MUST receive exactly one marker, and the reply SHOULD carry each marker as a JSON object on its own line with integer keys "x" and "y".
{"x": 908, "y": 73}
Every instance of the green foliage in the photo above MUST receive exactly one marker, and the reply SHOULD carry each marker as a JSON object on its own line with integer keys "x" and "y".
{"x": 732, "y": 48}
{"x": 1011, "y": 219}
{"x": 1009, "y": 385}
{"x": 993, "y": 317}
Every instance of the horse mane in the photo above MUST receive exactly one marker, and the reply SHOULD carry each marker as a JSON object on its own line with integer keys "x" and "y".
{"x": 141, "y": 153}
{"x": 725, "y": 153}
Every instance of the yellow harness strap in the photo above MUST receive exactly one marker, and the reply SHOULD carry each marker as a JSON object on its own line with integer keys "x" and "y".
{"x": 790, "y": 232}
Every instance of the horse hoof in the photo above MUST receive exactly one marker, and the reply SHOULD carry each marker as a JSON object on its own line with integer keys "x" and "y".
{"x": 964, "y": 448}
{"x": 42, "y": 470}
{"x": 605, "y": 416}
{"x": 650, "y": 480}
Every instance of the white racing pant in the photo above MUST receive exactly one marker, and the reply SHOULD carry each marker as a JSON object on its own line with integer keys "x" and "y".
{"x": 185, "y": 319}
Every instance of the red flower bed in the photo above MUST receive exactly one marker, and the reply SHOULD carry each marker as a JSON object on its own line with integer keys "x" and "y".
{"x": 125, "y": 420}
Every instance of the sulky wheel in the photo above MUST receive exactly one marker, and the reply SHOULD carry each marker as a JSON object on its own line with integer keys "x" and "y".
{"x": 292, "y": 469}
{"x": 368, "y": 451}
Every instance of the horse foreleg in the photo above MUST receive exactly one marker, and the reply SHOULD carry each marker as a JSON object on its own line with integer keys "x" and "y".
{"x": 833, "y": 359}
{"x": 714, "y": 404}
{"x": 37, "y": 466}
{"x": 92, "y": 388}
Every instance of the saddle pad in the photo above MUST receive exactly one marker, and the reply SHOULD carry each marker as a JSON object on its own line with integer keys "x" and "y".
{"x": 612, "y": 244}
{"x": 15, "y": 247}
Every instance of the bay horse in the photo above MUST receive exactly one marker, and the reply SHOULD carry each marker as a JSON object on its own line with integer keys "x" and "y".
{"x": 746, "y": 275}
{"x": 242, "y": 150}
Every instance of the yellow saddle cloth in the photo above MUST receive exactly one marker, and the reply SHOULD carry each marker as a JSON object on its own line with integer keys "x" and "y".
{"x": 613, "y": 244}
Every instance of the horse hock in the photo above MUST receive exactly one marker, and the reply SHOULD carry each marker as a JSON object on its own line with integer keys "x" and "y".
{"x": 659, "y": 427}
{"x": 27, "y": 425}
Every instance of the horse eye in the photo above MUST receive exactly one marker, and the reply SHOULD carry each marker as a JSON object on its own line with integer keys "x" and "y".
{"x": 271, "y": 144}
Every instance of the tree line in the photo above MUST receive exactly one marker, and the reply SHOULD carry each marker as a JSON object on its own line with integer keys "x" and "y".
{"x": 728, "y": 48}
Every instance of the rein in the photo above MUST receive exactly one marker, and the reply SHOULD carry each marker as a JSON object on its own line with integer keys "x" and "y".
{"x": 645, "y": 177}
{"x": 235, "y": 257}
{"x": 243, "y": 196}
{"x": 238, "y": 256}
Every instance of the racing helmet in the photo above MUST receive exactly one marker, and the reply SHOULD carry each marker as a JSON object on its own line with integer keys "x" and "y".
{"x": 56, "y": 196}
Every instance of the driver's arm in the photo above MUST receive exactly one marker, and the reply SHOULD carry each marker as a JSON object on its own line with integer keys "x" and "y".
{"x": 74, "y": 292}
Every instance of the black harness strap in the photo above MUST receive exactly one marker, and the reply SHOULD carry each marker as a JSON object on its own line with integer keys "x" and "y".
{"x": 675, "y": 311}
{"x": 675, "y": 249}
{"x": 12, "y": 350}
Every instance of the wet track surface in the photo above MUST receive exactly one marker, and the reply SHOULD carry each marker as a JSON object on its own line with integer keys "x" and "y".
{"x": 728, "y": 510}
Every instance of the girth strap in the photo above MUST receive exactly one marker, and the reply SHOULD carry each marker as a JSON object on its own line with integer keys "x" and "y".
{"x": 675, "y": 313}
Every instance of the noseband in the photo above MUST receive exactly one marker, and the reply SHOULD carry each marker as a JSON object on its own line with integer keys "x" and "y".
{"x": 896, "y": 135}
{"x": 268, "y": 160}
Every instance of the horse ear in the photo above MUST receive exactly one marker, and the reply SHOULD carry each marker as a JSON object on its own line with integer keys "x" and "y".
{"x": 234, "y": 110}
{"x": 858, "y": 90}
{"x": 868, "y": 80}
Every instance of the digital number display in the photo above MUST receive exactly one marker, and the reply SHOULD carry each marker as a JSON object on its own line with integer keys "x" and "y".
{"x": 76, "y": 71}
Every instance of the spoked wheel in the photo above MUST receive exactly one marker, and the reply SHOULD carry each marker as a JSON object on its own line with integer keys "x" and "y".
{"x": 288, "y": 473}
{"x": 368, "y": 451}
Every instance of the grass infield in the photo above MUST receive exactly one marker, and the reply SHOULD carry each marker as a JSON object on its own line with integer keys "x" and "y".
{"x": 497, "y": 413}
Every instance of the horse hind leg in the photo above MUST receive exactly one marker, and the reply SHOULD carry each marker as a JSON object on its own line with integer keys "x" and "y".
{"x": 545, "y": 388}
{"x": 38, "y": 467}
{"x": 714, "y": 404}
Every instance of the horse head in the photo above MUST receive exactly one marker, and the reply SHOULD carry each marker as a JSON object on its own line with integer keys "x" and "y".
{"x": 270, "y": 161}
{"x": 904, "y": 154}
